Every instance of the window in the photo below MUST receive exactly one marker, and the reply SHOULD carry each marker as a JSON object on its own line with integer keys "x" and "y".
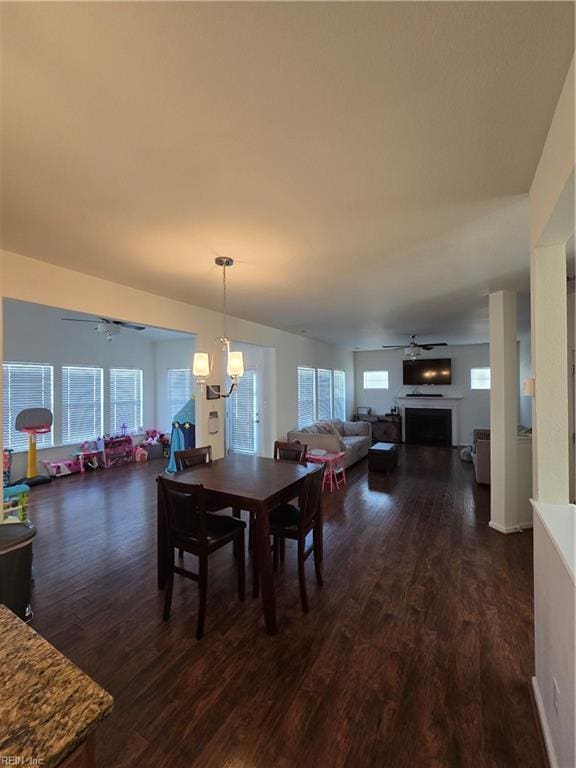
{"x": 306, "y": 396}
{"x": 25, "y": 385}
{"x": 375, "y": 379}
{"x": 125, "y": 400}
{"x": 480, "y": 378}
{"x": 81, "y": 403}
{"x": 340, "y": 395}
{"x": 179, "y": 390}
{"x": 324, "y": 394}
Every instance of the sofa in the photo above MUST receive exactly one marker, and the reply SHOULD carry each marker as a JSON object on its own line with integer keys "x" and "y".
{"x": 481, "y": 452}
{"x": 354, "y": 438}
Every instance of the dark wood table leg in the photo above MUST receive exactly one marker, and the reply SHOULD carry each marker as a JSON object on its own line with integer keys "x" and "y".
{"x": 161, "y": 541}
{"x": 265, "y": 572}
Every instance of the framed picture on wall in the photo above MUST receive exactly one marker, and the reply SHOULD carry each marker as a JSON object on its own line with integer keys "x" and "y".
{"x": 213, "y": 392}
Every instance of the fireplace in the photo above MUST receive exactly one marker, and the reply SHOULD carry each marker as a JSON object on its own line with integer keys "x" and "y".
{"x": 428, "y": 426}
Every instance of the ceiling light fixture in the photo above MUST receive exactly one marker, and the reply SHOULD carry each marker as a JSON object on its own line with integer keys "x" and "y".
{"x": 203, "y": 363}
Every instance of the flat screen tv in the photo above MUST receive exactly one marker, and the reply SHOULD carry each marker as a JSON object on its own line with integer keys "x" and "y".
{"x": 427, "y": 371}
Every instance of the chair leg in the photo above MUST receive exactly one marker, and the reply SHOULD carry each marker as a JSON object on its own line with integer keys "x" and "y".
{"x": 239, "y": 543}
{"x": 251, "y": 524}
{"x": 202, "y": 594}
{"x": 168, "y": 591}
{"x": 275, "y": 552}
{"x": 180, "y": 553}
{"x": 302, "y": 574}
{"x": 236, "y": 512}
{"x": 317, "y": 558}
{"x": 255, "y": 575}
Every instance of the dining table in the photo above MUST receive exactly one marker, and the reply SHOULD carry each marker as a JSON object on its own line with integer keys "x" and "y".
{"x": 245, "y": 483}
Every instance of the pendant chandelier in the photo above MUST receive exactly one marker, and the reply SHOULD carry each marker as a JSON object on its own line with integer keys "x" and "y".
{"x": 203, "y": 362}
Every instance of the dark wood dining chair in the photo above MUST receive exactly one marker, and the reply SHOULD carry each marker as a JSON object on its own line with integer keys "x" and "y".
{"x": 192, "y": 457}
{"x": 290, "y": 522}
{"x": 290, "y": 451}
{"x": 283, "y": 451}
{"x": 191, "y": 528}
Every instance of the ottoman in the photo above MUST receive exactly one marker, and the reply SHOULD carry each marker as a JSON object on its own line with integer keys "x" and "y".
{"x": 382, "y": 457}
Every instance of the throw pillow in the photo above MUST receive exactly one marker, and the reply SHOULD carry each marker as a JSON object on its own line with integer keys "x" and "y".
{"x": 338, "y": 425}
{"x": 326, "y": 428}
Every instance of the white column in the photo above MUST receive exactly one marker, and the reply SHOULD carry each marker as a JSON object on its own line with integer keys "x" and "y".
{"x": 503, "y": 412}
{"x": 550, "y": 369}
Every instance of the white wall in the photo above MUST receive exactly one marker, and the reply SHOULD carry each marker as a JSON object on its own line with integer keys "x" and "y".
{"x": 474, "y": 408}
{"x": 37, "y": 281}
{"x": 554, "y": 601}
{"x": 552, "y": 222}
{"x": 169, "y": 354}
{"x": 37, "y": 334}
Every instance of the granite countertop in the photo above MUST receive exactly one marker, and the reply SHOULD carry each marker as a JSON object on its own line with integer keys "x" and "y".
{"x": 47, "y": 705}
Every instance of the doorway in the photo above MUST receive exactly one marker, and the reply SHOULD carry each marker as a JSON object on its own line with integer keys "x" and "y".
{"x": 249, "y": 411}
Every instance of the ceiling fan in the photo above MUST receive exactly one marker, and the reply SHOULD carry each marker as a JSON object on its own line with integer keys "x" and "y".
{"x": 108, "y": 328}
{"x": 413, "y": 345}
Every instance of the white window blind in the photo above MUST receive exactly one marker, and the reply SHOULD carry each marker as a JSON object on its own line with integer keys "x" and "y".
{"x": 306, "y": 396}
{"x": 340, "y": 395}
{"x": 480, "y": 378}
{"x": 375, "y": 379}
{"x": 324, "y": 394}
{"x": 242, "y": 436}
{"x": 179, "y": 390}
{"x": 25, "y": 385}
{"x": 82, "y": 403}
{"x": 125, "y": 400}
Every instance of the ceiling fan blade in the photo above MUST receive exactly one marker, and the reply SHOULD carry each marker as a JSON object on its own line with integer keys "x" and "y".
{"x": 438, "y": 344}
{"x": 79, "y": 320}
{"x": 389, "y": 346}
{"x": 427, "y": 347}
{"x": 129, "y": 325}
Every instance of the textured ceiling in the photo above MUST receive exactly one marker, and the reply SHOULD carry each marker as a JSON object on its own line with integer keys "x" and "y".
{"x": 366, "y": 164}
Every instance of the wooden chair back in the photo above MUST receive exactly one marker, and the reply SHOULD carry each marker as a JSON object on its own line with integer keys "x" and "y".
{"x": 310, "y": 498}
{"x": 184, "y": 508}
{"x": 290, "y": 452}
{"x": 193, "y": 457}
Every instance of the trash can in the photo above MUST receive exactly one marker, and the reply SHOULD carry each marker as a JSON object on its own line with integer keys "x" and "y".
{"x": 16, "y": 567}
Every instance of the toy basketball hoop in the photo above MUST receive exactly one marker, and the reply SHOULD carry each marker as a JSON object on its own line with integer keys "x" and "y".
{"x": 34, "y": 421}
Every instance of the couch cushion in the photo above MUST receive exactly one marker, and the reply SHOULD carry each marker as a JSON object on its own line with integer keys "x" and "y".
{"x": 351, "y": 441}
{"x": 353, "y": 428}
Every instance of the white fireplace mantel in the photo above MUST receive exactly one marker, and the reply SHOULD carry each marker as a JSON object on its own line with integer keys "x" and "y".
{"x": 450, "y": 402}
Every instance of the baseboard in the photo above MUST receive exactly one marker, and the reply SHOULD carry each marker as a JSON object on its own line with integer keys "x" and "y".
{"x": 543, "y": 721}
{"x": 511, "y": 528}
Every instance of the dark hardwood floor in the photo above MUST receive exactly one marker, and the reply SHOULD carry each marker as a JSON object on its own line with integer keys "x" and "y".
{"x": 418, "y": 650}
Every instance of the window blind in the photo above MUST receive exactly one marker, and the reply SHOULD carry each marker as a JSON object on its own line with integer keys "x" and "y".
{"x": 480, "y": 378}
{"x": 306, "y": 396}
{"x": 179, "y": 390}
{"x": 25, "y": 385}
{"x": 242, "y": 415}
{"x": 125, "y": 400}
{"x": 375, "y": 379}
{"x": 340, "y": 395}
{"x": 324, "y": 394}
{"x": 82, "y": 403}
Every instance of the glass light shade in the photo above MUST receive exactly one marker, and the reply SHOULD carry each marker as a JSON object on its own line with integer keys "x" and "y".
{"x": 235, "y": 364}
{"x": 201, "y": 365}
